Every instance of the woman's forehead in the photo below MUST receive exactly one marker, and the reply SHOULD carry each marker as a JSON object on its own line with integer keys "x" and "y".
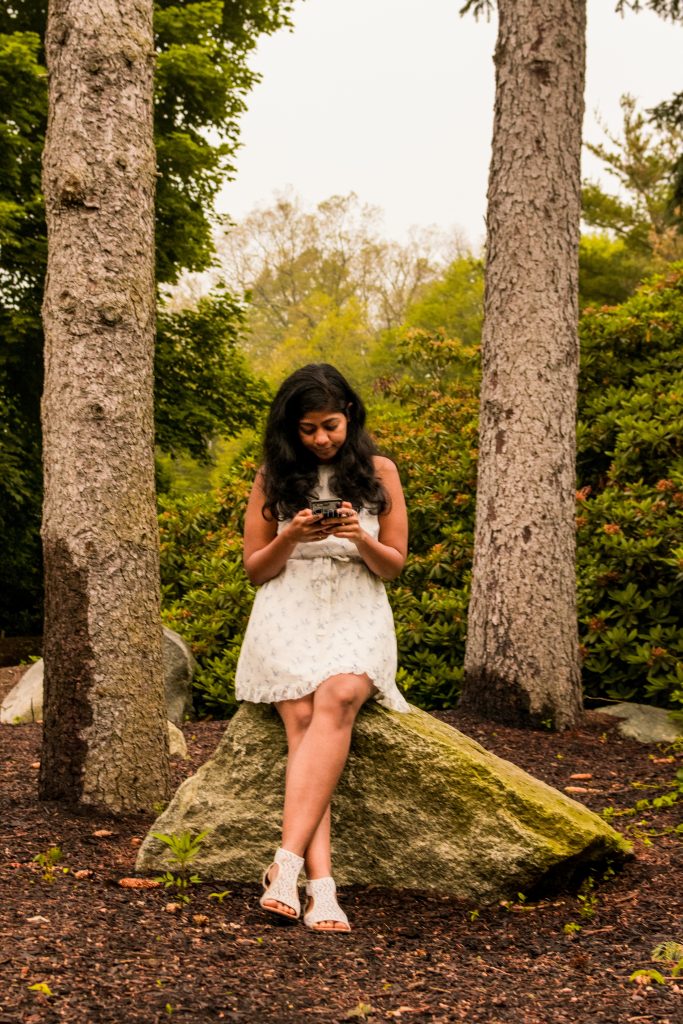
{"x": 318, "y": 415}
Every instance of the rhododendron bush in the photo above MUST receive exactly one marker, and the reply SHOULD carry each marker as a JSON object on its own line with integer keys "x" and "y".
{"x": 629, "y": 515}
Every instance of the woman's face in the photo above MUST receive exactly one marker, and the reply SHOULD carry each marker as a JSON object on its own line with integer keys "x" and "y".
{"x": 323, "y": 433}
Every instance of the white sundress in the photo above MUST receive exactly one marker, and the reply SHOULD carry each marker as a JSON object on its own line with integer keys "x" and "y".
{"x": 324, "y": 614}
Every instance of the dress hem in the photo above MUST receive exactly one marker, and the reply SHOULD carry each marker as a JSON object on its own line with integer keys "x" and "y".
{"x": 305, "y": 689}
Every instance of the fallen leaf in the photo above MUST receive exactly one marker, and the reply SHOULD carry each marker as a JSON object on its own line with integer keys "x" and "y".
{"x": 361, "y": 1012}
{"x": 140, "y": 883}
{"x": 135, "y": 841}
{"x": 37, "y": 920}
{"x": 199, "y": 918}
{"x": 173, "y": 908}
{"x": 83, "y": 873}
{"x": 102, "y": 832}
{"x": 36, "y": 764}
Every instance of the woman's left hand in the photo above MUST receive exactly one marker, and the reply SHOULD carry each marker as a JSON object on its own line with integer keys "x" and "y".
{"x": 347, "y": 525}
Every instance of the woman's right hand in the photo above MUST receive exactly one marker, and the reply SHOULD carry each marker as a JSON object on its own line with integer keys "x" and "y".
{"x": 305, "y": 527}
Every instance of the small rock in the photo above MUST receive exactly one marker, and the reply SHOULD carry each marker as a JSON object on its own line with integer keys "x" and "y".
{"x": 176, "y": 741}
{"x": 644, "y": 723}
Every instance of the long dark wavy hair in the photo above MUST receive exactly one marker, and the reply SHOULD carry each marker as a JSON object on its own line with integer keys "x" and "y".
{"x": 291, "y": 470}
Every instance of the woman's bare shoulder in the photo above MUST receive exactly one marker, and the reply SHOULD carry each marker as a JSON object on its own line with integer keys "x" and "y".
{"x": 384, "y": 466}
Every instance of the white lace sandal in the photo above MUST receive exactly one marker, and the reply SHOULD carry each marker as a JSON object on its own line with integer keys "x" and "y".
{"x": 322, "y": 893}
{"x": 283, "y": 887}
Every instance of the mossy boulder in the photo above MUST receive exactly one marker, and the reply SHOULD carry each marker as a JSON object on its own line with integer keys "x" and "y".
{"x": 419, "y": 806}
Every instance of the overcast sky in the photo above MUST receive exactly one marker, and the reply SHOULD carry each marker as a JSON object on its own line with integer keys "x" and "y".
{"x": 393, "y": 99}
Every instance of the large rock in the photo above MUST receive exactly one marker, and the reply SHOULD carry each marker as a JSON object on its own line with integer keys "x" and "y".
{"x": 24, "y": 703}
{"x": 179, "y": 666}
{"x": 645, "y": 723}
{"x": 419, "y": 806}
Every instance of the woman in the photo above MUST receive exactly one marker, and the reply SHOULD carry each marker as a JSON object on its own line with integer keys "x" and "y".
{"x": 320, "y": 639}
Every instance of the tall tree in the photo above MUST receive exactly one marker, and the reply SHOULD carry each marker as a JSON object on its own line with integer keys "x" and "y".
{"x": 522, "y": 657}
{"x": 105, "y": 739}
{"x": 202, "y": 79}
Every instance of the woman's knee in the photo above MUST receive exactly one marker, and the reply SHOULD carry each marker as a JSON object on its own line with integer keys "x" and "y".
{"x": 296, "y": 714}
{"x": 342, "y": 696}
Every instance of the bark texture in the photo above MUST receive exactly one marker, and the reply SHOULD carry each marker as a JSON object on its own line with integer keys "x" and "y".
{"x": 105, "y": 736}
{"x": 522, "y": 659}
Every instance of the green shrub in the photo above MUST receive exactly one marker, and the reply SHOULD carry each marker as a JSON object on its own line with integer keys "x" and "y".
{"x": 630, "y": 532}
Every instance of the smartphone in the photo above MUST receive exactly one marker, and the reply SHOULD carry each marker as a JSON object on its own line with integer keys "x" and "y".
{"x": 326, "y": 507}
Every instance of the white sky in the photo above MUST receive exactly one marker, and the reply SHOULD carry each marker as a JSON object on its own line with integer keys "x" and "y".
{"x": 393, "y": 99}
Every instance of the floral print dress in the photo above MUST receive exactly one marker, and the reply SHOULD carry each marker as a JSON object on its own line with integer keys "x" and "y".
{"x": 323, "y": 615}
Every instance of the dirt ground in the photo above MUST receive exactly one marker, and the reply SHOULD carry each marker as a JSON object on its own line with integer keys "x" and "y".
{"x": 81, "y": 948}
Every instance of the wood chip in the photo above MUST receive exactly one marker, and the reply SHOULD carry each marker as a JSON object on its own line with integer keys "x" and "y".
{"x": 581, "y": 775}
{"x": 102, "y": 833}
{"x": 139, "y": 883}
{"x": 575, "y": 789}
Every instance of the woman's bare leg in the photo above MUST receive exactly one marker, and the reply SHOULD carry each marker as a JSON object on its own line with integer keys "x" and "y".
{"x": 319, "y": 759}
{"x": 330, "y": 714}
{"x": 296, "y": 716}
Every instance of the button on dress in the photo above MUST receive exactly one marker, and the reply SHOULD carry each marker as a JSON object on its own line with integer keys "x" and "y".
{"x": 324, "y": 614}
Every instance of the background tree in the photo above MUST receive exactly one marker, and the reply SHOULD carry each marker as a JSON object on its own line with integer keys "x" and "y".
{"x": 202, "y": 79}
{"x": 105, "y": 740}
{"x": 521, "y": 662}
{"x": 323, "y": 284}
{"x": 641, "y": 214}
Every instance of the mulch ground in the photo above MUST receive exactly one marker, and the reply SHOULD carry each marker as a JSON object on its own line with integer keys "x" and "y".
{"x": 111, "y": 954}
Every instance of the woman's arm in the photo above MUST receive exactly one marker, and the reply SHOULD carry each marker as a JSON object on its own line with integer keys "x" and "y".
{"x": 265, "y": 550}
{"x": 385, "y": 556}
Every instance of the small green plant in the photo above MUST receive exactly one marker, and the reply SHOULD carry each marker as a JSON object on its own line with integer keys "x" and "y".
{"x": 647, "y": 976}
{"x": 588, "y": 901}
{"x": 48, "y": 861}
{"x": 220, "y": 896}
{"x": 571, "y": 928}
{"x": 183, "y": 849}
{"x": 669, "y": 953}
{"x": 473, "y": 915}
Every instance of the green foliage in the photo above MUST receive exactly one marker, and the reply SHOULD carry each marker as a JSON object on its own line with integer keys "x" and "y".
{"x": 642, "y": 161}
{"x": 630, "y": 537}
{"x": 323, "y": 284}
{"x": 183, "y": 848}
{"x": 609, "y": 272}
{"x": 453, "y": 304}
{"x": 205, "y": 593}
{"x": 203, "y": 387}
{"x": 630, "y": 464}
{"x": 48, "y": 861}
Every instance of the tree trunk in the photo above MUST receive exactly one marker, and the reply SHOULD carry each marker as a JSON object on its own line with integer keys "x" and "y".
{"x": 105, "y": 735}
{"x": 522, "y": 659}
